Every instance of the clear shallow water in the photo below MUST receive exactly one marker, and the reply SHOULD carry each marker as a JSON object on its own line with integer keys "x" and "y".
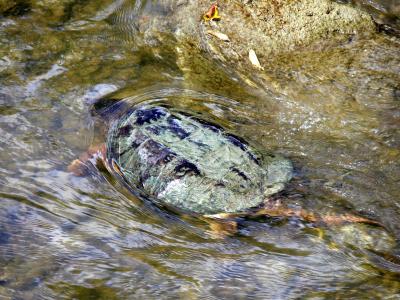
{"x": 69, "y": 237}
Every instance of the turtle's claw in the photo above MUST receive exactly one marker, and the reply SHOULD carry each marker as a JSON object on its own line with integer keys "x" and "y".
{"x": 348, "y": 218}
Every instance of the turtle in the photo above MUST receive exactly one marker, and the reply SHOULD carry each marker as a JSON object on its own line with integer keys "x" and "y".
{"x": 190, "y": 165}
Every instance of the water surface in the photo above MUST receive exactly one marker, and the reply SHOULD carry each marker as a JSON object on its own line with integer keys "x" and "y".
{"x": 68, "y": 237}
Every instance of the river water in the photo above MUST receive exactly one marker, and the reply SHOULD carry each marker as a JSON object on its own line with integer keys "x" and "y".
{"x": 69, "y": 237}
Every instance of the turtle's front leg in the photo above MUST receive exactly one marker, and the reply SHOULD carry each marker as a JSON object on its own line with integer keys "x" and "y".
{"x": 81, "y": 166}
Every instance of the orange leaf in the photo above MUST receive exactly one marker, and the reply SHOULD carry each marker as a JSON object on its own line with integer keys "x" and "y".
{"x": 212, "y": 14}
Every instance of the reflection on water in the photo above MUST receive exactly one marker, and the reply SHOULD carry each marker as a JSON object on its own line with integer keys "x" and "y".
{"x": 68, "y": 237}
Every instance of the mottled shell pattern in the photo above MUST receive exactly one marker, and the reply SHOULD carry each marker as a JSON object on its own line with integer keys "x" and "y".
{"x": 184, "y": 162}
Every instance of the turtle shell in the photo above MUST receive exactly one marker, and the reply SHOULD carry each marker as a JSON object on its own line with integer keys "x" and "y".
{"x": 187, "y": 163}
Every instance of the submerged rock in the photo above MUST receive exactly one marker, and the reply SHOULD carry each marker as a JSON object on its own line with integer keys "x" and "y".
{"x": 268, "y": 27}
{"x": 276, "y": 30}
{"x": 272, "y": 27}
{"x": 265, "y": 26}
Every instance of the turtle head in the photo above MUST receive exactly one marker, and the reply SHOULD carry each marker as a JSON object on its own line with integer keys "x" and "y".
{"x": 109, "y": 108}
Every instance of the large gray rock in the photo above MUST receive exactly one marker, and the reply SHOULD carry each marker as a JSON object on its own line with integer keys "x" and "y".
{"x": 272, "y": 27}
